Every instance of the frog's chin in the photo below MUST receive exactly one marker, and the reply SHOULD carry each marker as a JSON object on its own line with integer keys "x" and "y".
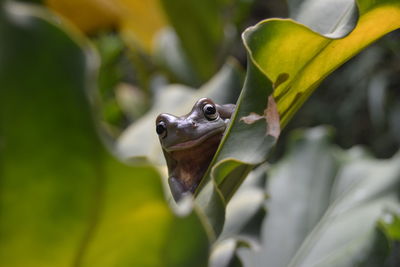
{"x": 197, "y": 141}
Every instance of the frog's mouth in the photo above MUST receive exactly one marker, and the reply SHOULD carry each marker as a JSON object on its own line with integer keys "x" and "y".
{"x": 195, "y": 142}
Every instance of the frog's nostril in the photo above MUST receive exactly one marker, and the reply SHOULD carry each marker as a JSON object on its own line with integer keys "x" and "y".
{"x": 194, "y": 124}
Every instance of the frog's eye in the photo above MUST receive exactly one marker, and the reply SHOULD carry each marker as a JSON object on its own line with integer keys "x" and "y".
{"x": 210, "y": 112}
{"x": 161, "y": 129}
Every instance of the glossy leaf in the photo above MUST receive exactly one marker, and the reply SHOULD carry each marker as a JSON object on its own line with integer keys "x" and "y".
{"x": 65, "y": 200}
{"x": 296, "y": 59}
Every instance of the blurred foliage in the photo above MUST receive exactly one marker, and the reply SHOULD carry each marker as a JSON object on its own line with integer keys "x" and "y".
{"x": 140, "y": 18}
{"x": 148, "y": 57}
{"x": 391, "y": 224}
{"x": 65, "y": 199}
{"x": 326, "y": 214}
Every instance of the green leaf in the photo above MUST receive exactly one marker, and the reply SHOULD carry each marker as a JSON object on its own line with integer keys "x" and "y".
{"x": 324, "y": 205}
{"x": 64, "y": 199}
{"x": 282, "y": 48}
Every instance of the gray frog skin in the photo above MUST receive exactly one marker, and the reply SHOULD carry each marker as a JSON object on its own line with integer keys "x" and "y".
{"x": 189, "y": 142}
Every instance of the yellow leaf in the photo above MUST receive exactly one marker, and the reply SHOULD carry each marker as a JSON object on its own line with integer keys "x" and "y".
{"x": 136, "y": 19}
{"x": 282, "y": 47}
{"x": 141, "y": 20}
{"x": 88, "y": 15}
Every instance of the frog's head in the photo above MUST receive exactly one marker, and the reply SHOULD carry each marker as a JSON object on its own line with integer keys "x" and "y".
{"x": 199, "y": 125}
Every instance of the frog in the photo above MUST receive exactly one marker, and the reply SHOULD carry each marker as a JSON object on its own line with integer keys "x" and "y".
{"x": 189, "y": 143}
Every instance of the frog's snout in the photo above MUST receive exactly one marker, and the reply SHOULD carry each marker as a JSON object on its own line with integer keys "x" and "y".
{"x": 185, "y": 129}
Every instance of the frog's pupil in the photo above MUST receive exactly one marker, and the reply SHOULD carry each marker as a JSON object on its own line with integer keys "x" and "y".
{"x": 160, "y": 129}
{"x": 210, "y": 110}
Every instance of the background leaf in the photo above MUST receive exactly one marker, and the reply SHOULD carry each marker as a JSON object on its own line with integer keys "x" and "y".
{"x": 324, "y": 205}
{"x": 170, "y": 55}
{"x": 200, "y": 27}
{"x": 102, "y": 15}
{"x": 137, "y": 20}
{"x": 292, "y": 206}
